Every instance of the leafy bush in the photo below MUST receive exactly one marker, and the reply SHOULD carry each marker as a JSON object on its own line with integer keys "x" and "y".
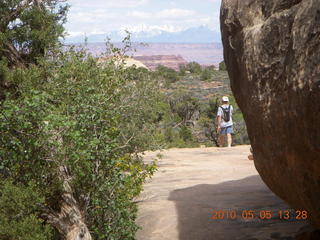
{"x": 206, "y": 75}
{"x": 19, "y": 210}
{"x": 67, "y": 125}
{"x": 182, "y": 69}
{"x": 179, "y": 137}
{"x": 186, "y": 134}
{"x": 30, "y": 29}
{"x": 184, "y": 104}
{"x": 193, "y": 67}
{"x": 168, "y": 74}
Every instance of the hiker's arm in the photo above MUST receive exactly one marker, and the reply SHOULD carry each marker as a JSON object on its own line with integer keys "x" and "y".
{"x": 218, "y": 121}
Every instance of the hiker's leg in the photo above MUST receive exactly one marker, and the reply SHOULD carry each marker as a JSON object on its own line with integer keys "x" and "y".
{"x": 229, "y": 139}
{"x": 222, "y": 133}
{"x": 221, "y": 140}
{"x": 229, "y": 136}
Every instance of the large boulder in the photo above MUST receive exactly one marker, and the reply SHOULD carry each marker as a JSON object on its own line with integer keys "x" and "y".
{"x": 272, "y": 53}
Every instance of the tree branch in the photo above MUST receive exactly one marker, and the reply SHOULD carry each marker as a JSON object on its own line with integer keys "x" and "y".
{"x": 12, "y": 54}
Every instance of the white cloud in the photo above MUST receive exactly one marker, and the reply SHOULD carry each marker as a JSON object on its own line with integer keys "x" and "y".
{"x": 107, "y": 3}
{"x": 152, "y": 29}
{"x": 215, "y": 21}
{"x": 139, "y": 14}
{"x": 149, "y": 16}
{"x": 75, "y": 34}
{"x": 91, "y": 16}
{"x": 175, "y": 13}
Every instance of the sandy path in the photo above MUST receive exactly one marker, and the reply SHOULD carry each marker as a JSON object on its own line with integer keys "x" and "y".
{"x": 178, "y": 202}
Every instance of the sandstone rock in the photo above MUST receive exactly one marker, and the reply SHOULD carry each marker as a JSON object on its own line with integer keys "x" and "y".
{"x": 126, "y": 61}
{"x": 152, "y": 62}
{"x": 272, "y": 53}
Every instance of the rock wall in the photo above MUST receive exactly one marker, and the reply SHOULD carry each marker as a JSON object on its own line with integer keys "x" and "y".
{"x": 272, "y": 53}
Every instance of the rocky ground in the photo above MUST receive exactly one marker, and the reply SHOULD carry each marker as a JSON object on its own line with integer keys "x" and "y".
{"x": 180, "y": 200}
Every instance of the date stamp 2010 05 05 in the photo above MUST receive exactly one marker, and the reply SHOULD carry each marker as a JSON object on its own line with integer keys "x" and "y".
{"x": 259, "y": 214}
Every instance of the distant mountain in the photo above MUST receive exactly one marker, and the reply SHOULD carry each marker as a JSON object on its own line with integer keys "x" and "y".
{"x": 203, "y": 53}
{"x": 192, "y": 35}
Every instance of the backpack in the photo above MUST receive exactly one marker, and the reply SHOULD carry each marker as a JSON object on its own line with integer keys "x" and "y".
{"x": 226, "y": 113}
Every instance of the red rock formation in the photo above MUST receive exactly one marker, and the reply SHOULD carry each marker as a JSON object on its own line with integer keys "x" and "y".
{"x": 152, "y": 62}
{"x": 272, "y": 53}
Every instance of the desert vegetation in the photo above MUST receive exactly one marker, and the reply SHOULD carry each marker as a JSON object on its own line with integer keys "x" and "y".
{"x": 71, "y": 132}
{"x": 194, "y": 97}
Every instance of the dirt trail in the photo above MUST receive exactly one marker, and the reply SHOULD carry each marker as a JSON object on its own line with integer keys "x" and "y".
{"x": 178, "y": 202}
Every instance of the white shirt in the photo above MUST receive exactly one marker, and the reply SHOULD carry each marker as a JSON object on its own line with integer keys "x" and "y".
{"x": 220, "y": 113}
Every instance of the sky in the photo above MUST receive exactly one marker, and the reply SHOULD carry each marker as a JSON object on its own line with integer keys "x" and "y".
{"x": 104, "y": 16}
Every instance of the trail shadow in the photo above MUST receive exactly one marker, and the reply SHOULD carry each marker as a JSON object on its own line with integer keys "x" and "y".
{"x": 195, "y": 205}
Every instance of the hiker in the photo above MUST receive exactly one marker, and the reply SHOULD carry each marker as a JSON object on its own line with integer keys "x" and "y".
{"x": 224, "y": 122}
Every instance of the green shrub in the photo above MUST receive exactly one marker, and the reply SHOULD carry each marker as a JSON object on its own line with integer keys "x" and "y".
{"x": 179, "y": 137}
{"x": 182, "y": 69}
{"x": 186, "y": 134}
{"x": 19, "y": 210}
{"x": 206, "y": 75}
{"x": 168, "y": 74}
{"x": 74, "y": 114}
{"x": 184, "y": 105}
{"x": 194, "y": 67}
{"x": 30, "y": 29}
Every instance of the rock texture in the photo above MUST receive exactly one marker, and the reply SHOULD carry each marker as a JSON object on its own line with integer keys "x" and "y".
{"x": 272, "y": 53}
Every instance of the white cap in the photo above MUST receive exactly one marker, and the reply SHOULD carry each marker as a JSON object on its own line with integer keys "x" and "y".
{"x": 225, "y": 99}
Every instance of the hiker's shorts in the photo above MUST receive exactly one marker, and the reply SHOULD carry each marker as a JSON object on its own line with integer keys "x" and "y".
{"x": 226, "y": 130}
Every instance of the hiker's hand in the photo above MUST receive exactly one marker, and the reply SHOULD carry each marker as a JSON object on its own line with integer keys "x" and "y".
{"x": 218, "y": 129}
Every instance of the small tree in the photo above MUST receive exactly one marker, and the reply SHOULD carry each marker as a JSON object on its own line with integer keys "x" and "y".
{"x": 206, "y": 75}
{"x": 194, "y": 67}
{"x": 209, "y": 120}
{"x": 29, "y": 29}
{"x": 168, "y": 74}
{"x": 63, "y": 125}
{"x": 182, "y": 69}
{"x": 19, "y": 213}
{"x": 67, "y": 133}
{"x": 184, "y": 105}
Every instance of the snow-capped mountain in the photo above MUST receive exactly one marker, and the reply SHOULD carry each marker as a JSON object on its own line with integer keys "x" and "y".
{"x": 200, "y": 34}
